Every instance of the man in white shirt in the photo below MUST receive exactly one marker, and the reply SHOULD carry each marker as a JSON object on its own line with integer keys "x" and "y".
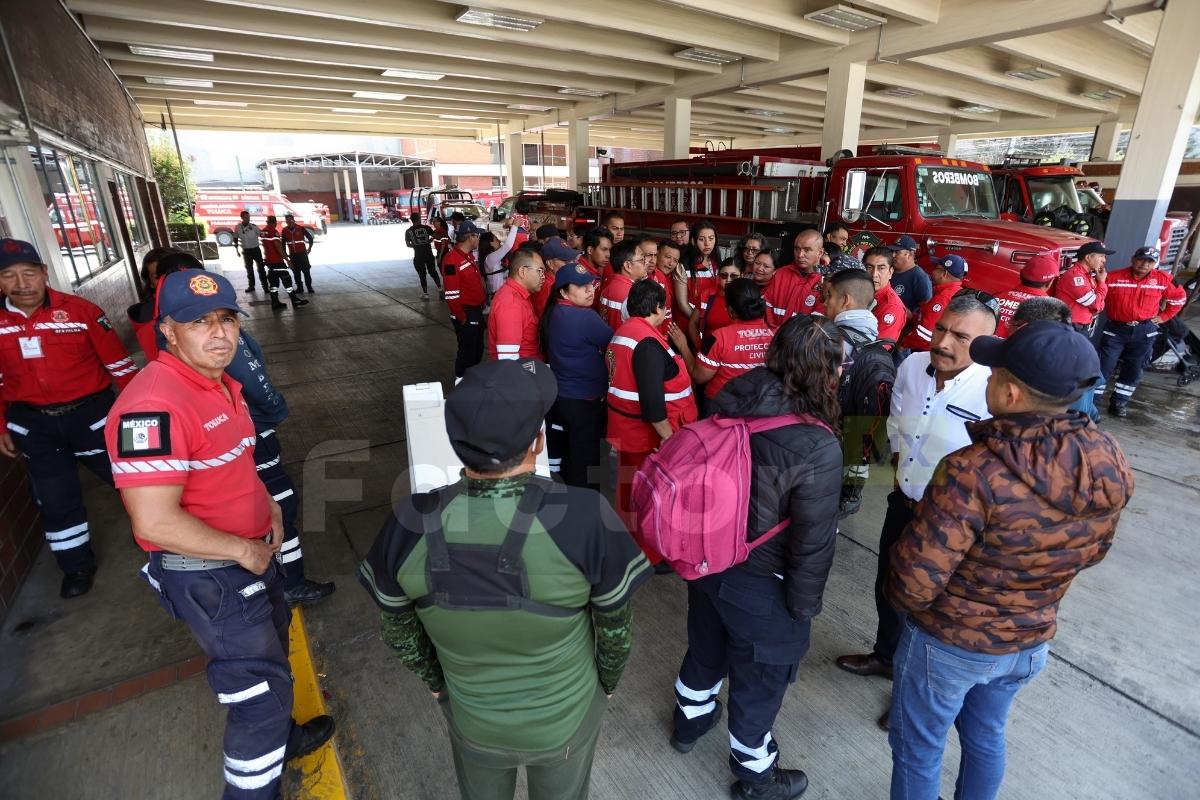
{"x": 935, "y": 395}
{"x": 246, "y": 244}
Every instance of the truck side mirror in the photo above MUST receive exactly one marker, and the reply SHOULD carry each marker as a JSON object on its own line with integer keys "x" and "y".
{"x": 497, "y": 214}
{"x": 854, "y": 195}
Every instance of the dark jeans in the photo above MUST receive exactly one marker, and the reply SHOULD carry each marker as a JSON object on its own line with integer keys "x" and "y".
{"x": 1129, "y": 345}
{"x": 891, "y": 622}
{"x": 51, "y": 447}
{"x": 301, "y": 270}
{"x": 581, "y": 439}
{"x": 240, "y": 621}
{"x": 738, "y": 625}
{"x": 470, "y": 340}
{"x": 424, "y": 264}
{"x": 250, "y": 257}
{"x": 268, "y": 460}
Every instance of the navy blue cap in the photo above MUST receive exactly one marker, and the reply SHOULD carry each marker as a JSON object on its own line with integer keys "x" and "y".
{"x": 905, "y": 242}
{"x": 555, "y": 248}
{"x": 466, "y": 228}
{"x": 573, "y": 272}
{"x": 955, "y": 265}
{"x": 15, "y": 251}
{"x": 497, "y": 409}
{"x": 189, "y": 294}
{"x": 1094, "y": 247}
{"x": 1150, "y": 253}
{"x": 1044, "y": 355}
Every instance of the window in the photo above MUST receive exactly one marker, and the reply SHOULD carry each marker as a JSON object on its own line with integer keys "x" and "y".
{"x": 131, "y": 210}
{"x": 883, "y": 193}
{"x": 75, "y": 205}
{"x": 950, "y": 192}
{"x": 555, "y": 155}
{"x": 530, "y": 154}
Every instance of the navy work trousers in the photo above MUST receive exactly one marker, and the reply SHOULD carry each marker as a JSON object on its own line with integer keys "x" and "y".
{"x": 738, "y": 625}
{"x": 52, "y": 445}
{"x": 268, "y": 460}
{"x": 302, "y": 271}
{"x": 240, "y": 621}
{"x": 470, "y": 339}
{"x": 1130, "y": 345}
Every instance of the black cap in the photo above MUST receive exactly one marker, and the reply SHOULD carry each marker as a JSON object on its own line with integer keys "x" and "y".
{"x": 546, "y": 231}
{"x": 1093, "y": 247}
{"x": 1044, "y": 355}
{"x": 497, "y": 409}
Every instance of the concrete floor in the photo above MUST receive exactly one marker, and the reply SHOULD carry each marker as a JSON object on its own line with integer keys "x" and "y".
{"x": 1113, "y": 716}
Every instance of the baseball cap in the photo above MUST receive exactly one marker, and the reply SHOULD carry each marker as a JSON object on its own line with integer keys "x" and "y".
{"x": 15, "y": 251}
{"x": 466, "y": 228}
{"x": 905, "y": 242}
{"x": 1150, "y": 253}
{"x": 575, "y": 273}
{"x": 546, "y": 231}
{"x": 496, "y": 410}
{"x": 1042, "y": 268}
{"x": 1093, "y": 247}
{"x": 1044, "y": 355}
{"x": 840, "y": 262}
{"x": 189, "y": 294}
{"x": 955, "y": 265}
{"x": 556, "y": 248}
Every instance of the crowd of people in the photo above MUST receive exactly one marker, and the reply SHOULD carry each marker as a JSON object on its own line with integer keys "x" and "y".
{"x": 508, "y": 594}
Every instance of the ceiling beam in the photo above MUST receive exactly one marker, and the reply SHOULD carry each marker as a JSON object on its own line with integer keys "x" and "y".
{"x": 922, "y": 12}
{"x": 931, "y": 81}
{"x": 1118, "y": 67}
{"x": 1139, "y": 31}
{"x": 777, "y": 15}
{"x": 364, "y": 127}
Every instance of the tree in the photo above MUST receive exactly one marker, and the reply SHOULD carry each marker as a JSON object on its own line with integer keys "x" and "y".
{"x": 175, "y": 183}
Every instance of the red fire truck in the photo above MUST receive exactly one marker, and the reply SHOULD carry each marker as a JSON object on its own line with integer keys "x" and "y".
{"x": 220, "y": 210}
{"x": 947, "y": 205}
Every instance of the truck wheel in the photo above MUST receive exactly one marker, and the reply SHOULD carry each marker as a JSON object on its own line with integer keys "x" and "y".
{"x": 224, "y": 238}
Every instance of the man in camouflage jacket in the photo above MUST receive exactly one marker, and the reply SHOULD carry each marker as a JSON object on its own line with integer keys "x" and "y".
{"x": 1002, "y": 530}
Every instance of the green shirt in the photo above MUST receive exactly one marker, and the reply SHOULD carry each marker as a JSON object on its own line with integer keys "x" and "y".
{"x": 517, "y": 679}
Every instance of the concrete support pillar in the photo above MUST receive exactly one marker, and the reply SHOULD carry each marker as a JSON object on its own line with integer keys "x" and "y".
{"x": 1165, "y": 115}
{"x": 1104, "y": 145}
{"x": 578, "y": 148}
{"x": 363, "y": 216}
{"x": 275, "y": 177}
{"x": 514, "y": 162}
{"x": 948, "y": 142}
{"x": 677, "y": 127}
{"x": 337, "y": 197}
{"x": 843, "y": 107}
{"x": 349, "y": 196}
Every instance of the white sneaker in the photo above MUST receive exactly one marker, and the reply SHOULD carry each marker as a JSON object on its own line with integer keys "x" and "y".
{"x": 424, "y": 295}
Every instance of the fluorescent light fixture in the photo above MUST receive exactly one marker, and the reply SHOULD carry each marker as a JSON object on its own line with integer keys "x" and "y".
{"x": 845, "y": 18}
{"x": 646, "y": 130}
{"x": 498, "y": 19}
{"x": 528, "y": 107}
{"x": 1104, "y": 94}
{"x": 779, "y": 130}
{"x": 194, "y": 83}
{"x": 762, "y": 112}
{"x": 899, "y": 91}
{"x": 228, "y": 103}
{"x": 413, "y": 74}
{"x": 581, "y": 92}
{"x": 379, "y": 96}
{"x": 1038, "y": 73}
{"x": 706, "y": 56}
{"x": 354, "y": 110}
{"x": 455, "y": 116}
{"x": 162, "y": 52}
{"x": 978, "y": 108}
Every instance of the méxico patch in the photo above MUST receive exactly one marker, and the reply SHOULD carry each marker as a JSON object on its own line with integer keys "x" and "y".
{"x": 144, "y": 434}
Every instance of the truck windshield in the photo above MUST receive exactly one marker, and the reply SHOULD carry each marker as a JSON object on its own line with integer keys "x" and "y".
{"x": 950, "y": 192}
{"x": 1049, "y": 192}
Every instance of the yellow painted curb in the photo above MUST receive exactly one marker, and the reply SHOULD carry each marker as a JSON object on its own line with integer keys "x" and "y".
{"x": 321, "y": 776}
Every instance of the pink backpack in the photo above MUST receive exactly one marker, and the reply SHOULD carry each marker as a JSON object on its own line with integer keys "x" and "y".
{"x": 691, "y": 499}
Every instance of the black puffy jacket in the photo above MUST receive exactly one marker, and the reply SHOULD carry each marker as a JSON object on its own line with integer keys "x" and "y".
{"x": 797, "y": 474}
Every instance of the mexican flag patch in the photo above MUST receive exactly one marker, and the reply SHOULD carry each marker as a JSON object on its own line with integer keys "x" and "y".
{"x": 144, "y": 434}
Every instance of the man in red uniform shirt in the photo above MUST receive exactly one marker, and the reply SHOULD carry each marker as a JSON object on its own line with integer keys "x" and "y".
{"x": 513, "y": 326}
{"x": 275, "y": 256}
{"x": 1036, "y": 276}
{"x": 181, "y": 442}
{"x": 796, "y": 288}
{"x": 59, "y": 358}
{"x": 299, "y": 241}
{"x": 889, "y": 309}
{"x": 1140, "y": 298}
{"x": 629, "y": 265}
{"x": 1082, "y": 287}
{"x": 465, "y": 295}
{"x": 947, "y": 280}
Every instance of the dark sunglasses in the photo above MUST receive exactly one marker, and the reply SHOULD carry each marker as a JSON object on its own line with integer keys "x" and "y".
{"x": 983, "y": 297}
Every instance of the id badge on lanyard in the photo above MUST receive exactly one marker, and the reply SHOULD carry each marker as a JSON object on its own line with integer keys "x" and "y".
{"x": 31, "y": 347}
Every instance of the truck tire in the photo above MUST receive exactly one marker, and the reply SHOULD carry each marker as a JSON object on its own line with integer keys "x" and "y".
{"x": 225, "y": 238}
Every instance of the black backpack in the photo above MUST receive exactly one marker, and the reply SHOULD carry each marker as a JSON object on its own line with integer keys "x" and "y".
{"x": 865, "y": 405}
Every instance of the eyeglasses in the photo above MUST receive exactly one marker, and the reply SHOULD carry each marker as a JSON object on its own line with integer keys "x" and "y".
{"x": 538, "y": 270}
{"x": 751, "y": 249}
{"x": 983, "y": 297}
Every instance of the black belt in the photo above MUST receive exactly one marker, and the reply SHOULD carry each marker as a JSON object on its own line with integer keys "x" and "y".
{"x": 61, "y": 409}
{"x": 1129, "y": 324}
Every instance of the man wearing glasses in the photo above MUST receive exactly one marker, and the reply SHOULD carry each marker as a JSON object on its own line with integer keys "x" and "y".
{"x": 680, "y": 232}
{"x": 512, "y": 326}
{"x": 629, "y": 267}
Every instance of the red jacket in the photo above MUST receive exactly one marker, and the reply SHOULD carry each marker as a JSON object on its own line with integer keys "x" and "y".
{"x": 1083, "y": 294}
{"x": 702, "y": 282}
{"x": 889, "y": 310}
{"x": 795, "y": 293}
{"x": 463, "y": 282}
{"x": 930, "y": 312}
{"x": 714, "y": 314}
{"x": 1009, "y": 301}
{"x": 1136, "y": 300}
{"x": 668, "y": 285}
{"x": 271, "y": 240}
{"x": 66, "y": 350}
{"x": 627, "y": 432}
{"x": 739, "y": 348}
{"x": 512, "y": 326}
{"x": 298, "y": 239}
{"x": 613, "y": 297}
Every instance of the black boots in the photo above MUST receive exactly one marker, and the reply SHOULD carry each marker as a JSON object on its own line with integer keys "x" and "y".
{"x": 304, "y": 739}
{"x": 686, "y": 747}
{"x": 76, "y": 583}
{"x": 783, "y": 784}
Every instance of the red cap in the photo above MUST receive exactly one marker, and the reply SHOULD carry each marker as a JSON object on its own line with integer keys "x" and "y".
{"x": 1042, "y": 268}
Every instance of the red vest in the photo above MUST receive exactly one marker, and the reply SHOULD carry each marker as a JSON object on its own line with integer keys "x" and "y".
{"x": 626, "y": 430}
{"x": 739, "y": 348}
{"x": 702, "y": 281}
{"x": 714, "y": 314}
{"x": 613, "y": 297}
{"x": 668, "y": 285}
